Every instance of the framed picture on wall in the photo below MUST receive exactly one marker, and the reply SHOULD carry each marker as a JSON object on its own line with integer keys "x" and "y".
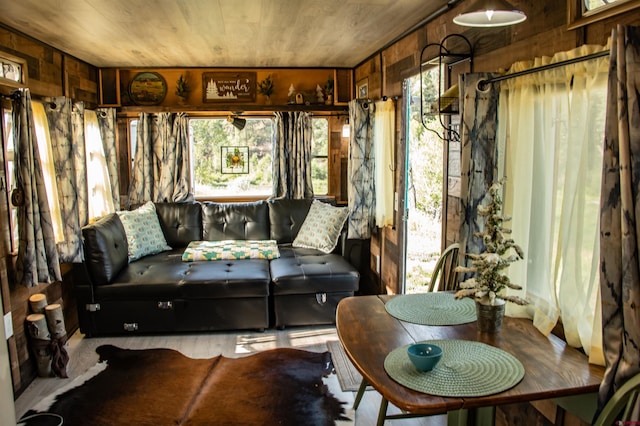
{"x": 362, "y": 88}
{"x": 584, "y": 12}
{"x": 235, "y": 159}
{"x": 228, "y": 87}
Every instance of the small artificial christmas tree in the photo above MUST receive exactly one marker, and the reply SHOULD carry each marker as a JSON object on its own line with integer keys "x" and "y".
{"x": 489, "y": 283}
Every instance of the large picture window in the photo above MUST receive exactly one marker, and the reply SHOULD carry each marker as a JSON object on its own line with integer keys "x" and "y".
{"x": 319, "y": 156}
{"x": 213, "y": 142}
{"x": 208, "y": 176}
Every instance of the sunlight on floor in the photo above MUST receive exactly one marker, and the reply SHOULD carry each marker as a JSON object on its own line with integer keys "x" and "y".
{"x": 292, "y": 338}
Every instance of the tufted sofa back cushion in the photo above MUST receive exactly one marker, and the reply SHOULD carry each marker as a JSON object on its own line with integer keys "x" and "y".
{"x": 105, "y": 248}
{"x": 181, "y": 223}
{"x": 235, "y": 221}
{"x": 286, "y": 217}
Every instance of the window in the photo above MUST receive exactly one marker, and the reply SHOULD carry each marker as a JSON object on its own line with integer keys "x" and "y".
{"x": 7, "y": 133}
{"x": 551, "y": 130}
{"x": 13, "y": 70}
{"x": 319, "y": 156}
{"x": 213, "y": 139}
{"x": 43, "y": 140}
{"x": 584, "y": 12}
{"x": 209, "y": 171}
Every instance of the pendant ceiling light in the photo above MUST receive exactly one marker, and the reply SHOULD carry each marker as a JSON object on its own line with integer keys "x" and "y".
{"x": 490, "y": 13}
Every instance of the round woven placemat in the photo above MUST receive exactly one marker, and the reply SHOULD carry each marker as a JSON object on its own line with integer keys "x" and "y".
{"x": 432, "y": 309}
{"x": 466, "y": 369}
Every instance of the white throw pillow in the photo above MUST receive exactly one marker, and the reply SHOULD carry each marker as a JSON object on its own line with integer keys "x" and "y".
{"x": 321, "y": 228}
{"x": 144, "y": 234}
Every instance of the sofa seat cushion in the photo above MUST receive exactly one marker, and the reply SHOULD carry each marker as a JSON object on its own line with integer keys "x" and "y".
{"x": 166, "y": 276}
{"x": 314, "y": 273}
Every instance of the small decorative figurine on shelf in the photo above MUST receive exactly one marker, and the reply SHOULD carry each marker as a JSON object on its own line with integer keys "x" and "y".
{"x": 182, "y": 89}
{"x": 291, "y": 96}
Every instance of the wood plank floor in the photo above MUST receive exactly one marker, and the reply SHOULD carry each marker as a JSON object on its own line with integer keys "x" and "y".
{"x": 205, "y": 345}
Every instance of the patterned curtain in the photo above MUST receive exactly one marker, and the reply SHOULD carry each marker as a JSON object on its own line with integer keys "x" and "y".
{"x": 107, "y": 125}
{"x": 361, "y": 187}
{"x": 479, "y": 155}
{"x": 620, "y": 206}
{"x": 292, "y": 155}
{"x": 160, "y": 165}
{"x": 67, "y": 130}
{"x": 37, "y": 260}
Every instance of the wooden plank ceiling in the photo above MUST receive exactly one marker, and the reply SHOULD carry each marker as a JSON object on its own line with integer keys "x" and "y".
{"x": 217, "y": 33}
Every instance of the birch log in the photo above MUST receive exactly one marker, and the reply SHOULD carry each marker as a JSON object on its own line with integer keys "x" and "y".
{"x": 55, "y": 320}
{"x": 39, "y": 338}
{"x": 38, "y": 302}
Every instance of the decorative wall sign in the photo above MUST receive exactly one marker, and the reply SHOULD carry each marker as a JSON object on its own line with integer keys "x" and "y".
{"x": 235, "y": 159}
{"x": 147, "y": 88}
{"x": 229, "y": 87}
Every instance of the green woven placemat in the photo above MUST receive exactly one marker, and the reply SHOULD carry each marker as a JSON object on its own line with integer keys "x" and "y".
{"x": 466, "y": 369}
{"x": 432, "y": 309}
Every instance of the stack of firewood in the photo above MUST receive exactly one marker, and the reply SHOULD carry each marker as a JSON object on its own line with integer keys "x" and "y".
{"x": 47, "y": 336}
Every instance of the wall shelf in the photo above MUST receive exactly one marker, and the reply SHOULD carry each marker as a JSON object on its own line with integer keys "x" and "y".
{"x": 233, "y": 108}
{"x": 454, "y": 49}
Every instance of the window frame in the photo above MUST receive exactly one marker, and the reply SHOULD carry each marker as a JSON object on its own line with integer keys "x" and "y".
{"x": 9, "y": 156}
{"x": 324, "y": 156}
{"x": 577, "y": 16}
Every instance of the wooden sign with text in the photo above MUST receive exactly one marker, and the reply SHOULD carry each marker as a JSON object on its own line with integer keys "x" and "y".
{"x": 229, "y": 87}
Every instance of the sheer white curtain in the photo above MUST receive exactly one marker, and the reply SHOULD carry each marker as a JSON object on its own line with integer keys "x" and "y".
{"x": 43, "y": 139}
{"x": 98, "y": 184}
{"x": 384, "y": 135}
{"x": 551, "y": 129}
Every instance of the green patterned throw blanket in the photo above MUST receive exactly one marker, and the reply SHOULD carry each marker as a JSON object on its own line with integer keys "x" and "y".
{"x": 230, "y": 250}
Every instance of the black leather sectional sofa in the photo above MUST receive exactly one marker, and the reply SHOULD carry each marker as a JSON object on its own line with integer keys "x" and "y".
{"x": 162, "y": 293}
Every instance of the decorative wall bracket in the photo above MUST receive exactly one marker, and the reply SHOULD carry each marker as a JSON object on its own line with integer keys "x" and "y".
{"x": 448, "y": 53}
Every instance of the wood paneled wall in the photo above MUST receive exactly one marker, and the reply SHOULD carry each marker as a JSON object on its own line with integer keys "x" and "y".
{"x": 544, "y": 33}
{"x": 50, "y": 73}
{"x": 495, "y": 50}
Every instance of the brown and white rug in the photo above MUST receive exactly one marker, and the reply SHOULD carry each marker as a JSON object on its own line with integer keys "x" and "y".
{"x": 163, "y": 387}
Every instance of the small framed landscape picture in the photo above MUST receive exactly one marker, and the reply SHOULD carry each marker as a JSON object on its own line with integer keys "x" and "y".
{"x": 235, "y": 159}
{"x": 362, "y": 88}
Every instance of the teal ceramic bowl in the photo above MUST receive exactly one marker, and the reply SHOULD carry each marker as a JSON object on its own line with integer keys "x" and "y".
{"x": 424, "y": 356}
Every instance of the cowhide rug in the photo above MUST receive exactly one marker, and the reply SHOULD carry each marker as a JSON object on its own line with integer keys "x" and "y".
{"x": 164, "y": 387}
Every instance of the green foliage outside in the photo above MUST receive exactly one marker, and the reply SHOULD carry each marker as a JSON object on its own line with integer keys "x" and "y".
{"x": 209, "y": 136}
{"x": 319, "y": 152}
{"x": 425, "y": 186}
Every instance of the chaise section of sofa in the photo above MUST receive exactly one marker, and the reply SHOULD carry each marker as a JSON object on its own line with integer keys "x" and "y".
{"x": 162, "y": 293}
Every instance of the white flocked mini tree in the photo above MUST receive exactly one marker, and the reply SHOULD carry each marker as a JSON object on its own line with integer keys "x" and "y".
{"x": 489, "y": 282}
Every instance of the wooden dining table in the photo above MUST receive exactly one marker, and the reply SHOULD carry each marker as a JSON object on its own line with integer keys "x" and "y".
{"x": 553, "y": 369}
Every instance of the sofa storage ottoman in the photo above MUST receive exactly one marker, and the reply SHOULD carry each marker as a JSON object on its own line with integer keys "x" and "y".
{"x": 306, "y": 288}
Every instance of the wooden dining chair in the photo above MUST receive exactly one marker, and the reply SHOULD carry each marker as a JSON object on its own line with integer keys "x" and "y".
{"x": 444, "y": 277}
{"x": 621, "y": 405}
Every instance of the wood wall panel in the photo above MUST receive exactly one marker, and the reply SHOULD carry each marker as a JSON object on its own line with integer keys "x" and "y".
{"x": 495, "y": 50}
{"x": 50, "y": 73}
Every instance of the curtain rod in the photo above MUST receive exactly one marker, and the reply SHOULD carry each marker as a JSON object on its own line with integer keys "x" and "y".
{"x": 482, "y": 84}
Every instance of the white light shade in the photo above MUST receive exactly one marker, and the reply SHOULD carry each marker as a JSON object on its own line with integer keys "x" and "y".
{"x": 490, "y": 14}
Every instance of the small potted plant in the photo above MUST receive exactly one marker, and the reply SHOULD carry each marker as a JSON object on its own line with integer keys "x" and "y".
{"x": 182, "y": 89}
{"x": 265, "y": 87}
{"x": 489, "y": 283}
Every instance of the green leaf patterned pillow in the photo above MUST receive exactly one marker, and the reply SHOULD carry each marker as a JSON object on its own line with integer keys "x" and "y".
{"x": 144, "y": 234}
{"x": 321, "y": 228}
